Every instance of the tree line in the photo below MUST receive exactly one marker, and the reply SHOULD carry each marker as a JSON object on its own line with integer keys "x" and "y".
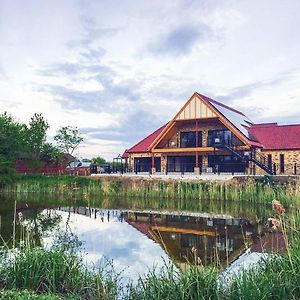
{"x": 28, "y": 142}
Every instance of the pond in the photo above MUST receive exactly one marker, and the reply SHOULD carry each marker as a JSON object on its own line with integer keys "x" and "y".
{"x": 134, "y": 235}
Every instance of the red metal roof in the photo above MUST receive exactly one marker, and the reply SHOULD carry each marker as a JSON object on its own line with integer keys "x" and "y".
{"x": 143, "y": 145}
{"x": 125, "y": 154}
{"x": 277, "y": 137}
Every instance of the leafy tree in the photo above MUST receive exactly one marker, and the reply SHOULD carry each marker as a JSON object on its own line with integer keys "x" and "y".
{"x": 7, "y": 172}
{"x": 35, "y": 139}
{"x": 11, "y": 146}
{"x": 11, "y": 138}
{"x": 99, "y": 160}
{"x": 51, "y": 154}
{"x": 68, "y": 139}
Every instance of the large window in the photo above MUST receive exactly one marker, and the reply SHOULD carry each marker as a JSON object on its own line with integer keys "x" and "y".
{"x": 270, "y": 165}
{"x": 188, "y": 139}
{"x": 226, "y": 163}
{"x": 144, "y": 164}
{"x": 219, "y": 138}
{"x": 281, "y": 162}
{"x": 182, "y": 163}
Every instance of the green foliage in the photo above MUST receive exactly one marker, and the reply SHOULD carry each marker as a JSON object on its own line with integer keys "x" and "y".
{"x": 243, "y": 190}
{"x": 192, "y": 284}
{"x": 56, "y": 271}
{"x": 99, "y": 160}
{"x": 28, "y": 142}
{"x": 25, "y": 295}
{"x": 68, "y": 139}
{"x": 35, "y": 135}
{"x": 265, "y": 180}
{"x": 11, "y": 138}
{"x": 276, "y": 278}
{"x": 58, "y": 274}
{"x": 11, "y": 147}
{"x": 51, "y": 154}
{"x": 35, "y": 139}
{"x": 7, "y": 172}
{"x": 115, "y": 187}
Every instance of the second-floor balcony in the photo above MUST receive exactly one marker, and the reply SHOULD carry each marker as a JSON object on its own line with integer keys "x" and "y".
{"x": 212, "y": 138}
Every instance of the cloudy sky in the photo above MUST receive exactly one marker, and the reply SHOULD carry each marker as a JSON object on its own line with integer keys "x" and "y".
{"x": 119, "y": 69}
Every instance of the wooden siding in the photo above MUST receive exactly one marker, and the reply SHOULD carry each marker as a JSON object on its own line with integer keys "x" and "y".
{"x": 195, "y": 109}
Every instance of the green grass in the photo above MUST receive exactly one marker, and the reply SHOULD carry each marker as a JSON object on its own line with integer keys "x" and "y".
{"x": 173, "y": 284}
{"x": 37, "y": 273}
{"x": 259, "y": 190}
{"x": 56, "y": 271}
{"x": 278, "y": 278}
{"x": 25, "y": 295}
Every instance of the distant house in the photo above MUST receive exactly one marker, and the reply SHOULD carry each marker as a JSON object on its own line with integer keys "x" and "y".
{"x": 22, "y": 167}
{"x": 207, "y": 136}
{"x": 49, "y": 168}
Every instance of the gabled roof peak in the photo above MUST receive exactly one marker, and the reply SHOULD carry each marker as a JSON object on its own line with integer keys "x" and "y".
{"x": 218, "y": 103}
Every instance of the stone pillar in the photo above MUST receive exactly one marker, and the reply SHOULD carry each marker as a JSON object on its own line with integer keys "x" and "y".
{"x": 153, "y": 169}
{"x": 205, "y": 160}
{"x": 131, "y": 163}
{"x": 164, "y": 164}
{"x": 197, "y": 171}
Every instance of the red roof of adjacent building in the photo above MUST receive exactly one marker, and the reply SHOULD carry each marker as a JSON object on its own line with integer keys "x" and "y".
{"x": 143, "y": 145}
{"x": 277, "y": 137}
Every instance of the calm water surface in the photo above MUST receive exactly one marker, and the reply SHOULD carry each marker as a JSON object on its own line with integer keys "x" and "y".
{"x": 136, "y": 237}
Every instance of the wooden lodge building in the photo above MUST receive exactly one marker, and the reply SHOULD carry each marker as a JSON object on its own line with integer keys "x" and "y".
{"x": 206, "y": 136}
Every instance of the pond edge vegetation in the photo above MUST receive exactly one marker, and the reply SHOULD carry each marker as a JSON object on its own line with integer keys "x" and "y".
{"x": 32, "y": 272}
{"x": 254, "y": 189}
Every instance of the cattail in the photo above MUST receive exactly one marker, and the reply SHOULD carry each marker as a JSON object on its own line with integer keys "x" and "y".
{"x": 275, "y": 224}
{"x": 278, "y": 207}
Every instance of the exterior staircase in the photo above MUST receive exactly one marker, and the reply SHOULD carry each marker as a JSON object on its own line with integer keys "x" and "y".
{"x": 261, "y": 161}
{"x": 256, "y": 157}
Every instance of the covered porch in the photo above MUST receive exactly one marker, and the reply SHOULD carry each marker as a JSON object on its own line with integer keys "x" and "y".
{"x": 215, "y": 161}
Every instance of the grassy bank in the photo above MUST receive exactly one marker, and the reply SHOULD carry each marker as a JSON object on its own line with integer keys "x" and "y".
{"x": 36, "y": 273}
{"x": 258, "y": 190}
{"x": 53, "y": 273}
{"x": 277, "y": 278}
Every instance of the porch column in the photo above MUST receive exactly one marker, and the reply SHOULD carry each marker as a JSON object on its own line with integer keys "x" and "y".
{"x": 153, "y": 165}
{"x": 205, "y": 162}
{"x": 164, "y": 164}
{"x": 196, "y": 168}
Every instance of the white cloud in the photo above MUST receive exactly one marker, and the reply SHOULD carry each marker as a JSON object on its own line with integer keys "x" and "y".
{"x": 88, "y": 64}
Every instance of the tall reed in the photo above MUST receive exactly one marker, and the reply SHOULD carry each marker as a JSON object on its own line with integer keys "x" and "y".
{"x": 55, "y": 271}
{"x": 257, "y": 190}
{"x": 58, "y": 272}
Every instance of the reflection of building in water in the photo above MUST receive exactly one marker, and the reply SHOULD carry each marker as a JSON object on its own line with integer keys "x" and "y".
{"x": 186, "y": 237}
{"x": 202, "y": 237}
{"x": 103, "y": 214}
